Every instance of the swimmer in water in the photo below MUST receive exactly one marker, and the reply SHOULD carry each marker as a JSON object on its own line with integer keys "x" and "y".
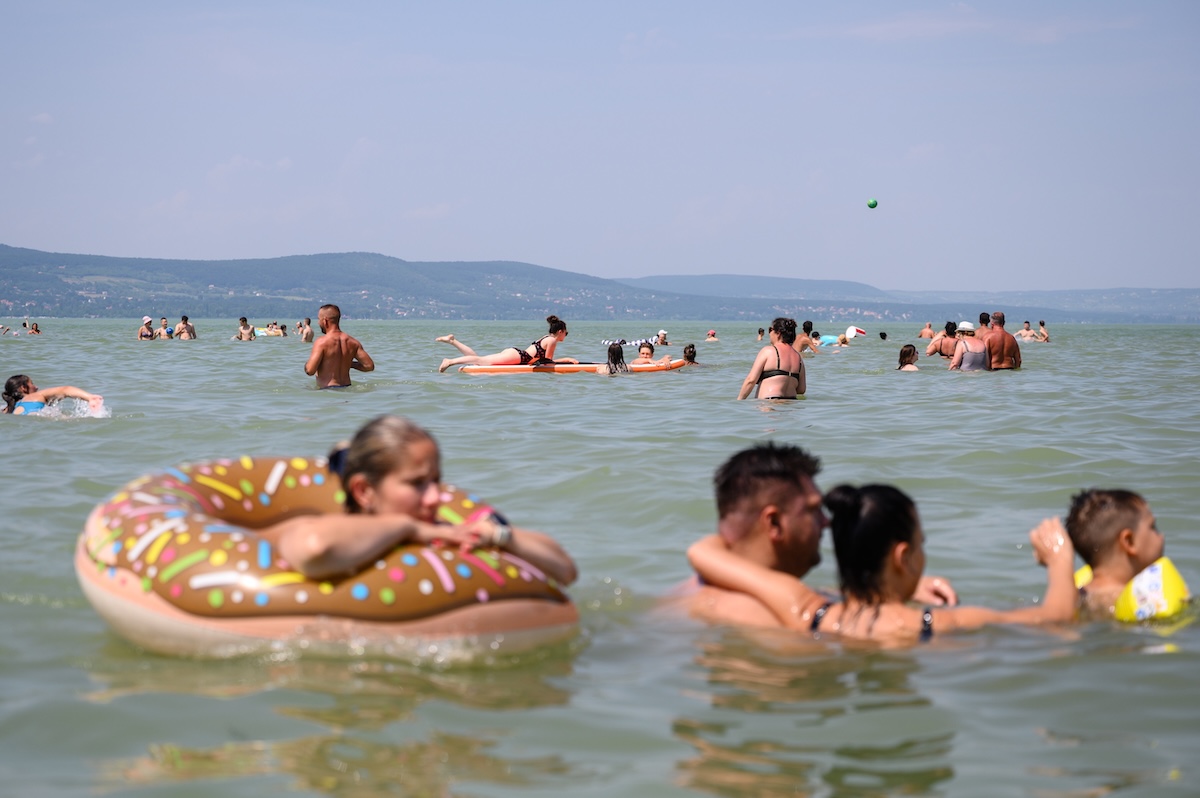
{"x": 540, "y": 351}
{"x": 335, "y": 352}
{"x": 880, "y": 548}
{"x": 616, "y": 361}
{"x": 391, "y": 473}
{"x": 646, "y": 356}
{"x": 1116, "y": 534}
{"x": 23, "y": 398}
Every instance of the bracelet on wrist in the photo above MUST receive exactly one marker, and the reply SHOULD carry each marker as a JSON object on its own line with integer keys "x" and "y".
{"x": 502, "y": 535}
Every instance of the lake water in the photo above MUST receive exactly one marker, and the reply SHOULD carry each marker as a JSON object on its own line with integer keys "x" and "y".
{"x": 643, "y": 702}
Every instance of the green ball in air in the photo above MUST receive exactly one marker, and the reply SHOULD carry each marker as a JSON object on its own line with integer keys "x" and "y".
{"x": 871, "y": 203}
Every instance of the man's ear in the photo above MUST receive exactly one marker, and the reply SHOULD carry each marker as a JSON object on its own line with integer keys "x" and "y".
{"x": 769, "y": 517}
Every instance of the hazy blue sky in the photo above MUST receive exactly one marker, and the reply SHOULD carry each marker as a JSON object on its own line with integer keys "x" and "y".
{"x": 1025, "y": 145}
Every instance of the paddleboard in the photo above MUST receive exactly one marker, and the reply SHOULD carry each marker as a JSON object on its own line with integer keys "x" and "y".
{"x": 565, "y": 368}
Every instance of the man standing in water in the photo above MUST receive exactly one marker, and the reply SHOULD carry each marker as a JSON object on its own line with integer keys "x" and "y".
{"x": 305, "y": 330}
{"x": 184, "y": 330}
{"x": 769, "y": 511}
{"x": 335, "y": 352}
{"x": 1002, "y": 349}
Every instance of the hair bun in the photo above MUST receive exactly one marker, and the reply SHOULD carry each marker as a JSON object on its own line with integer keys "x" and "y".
{"x": 337, "y": 458}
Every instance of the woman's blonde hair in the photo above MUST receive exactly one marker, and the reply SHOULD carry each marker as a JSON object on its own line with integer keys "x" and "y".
{"x": 376, "y": 450}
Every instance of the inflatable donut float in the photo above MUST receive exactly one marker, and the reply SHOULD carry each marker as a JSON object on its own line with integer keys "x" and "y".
{"x": 172, "y": 563}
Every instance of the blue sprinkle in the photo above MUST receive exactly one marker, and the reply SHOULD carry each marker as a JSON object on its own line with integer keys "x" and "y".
{"x": 463, "y": 570}
{"x": 264, "y": 500}
{"x": 318, "y": 479}
{"x": 264, "y": 554}
{"x": 117, "y": 546}
{"x": 409, "y": 559}
{"x": 175, "y": 513}
{"x": 261, "y": 599}
{"x": 360, "y": 592}
{"x": 179, "y": 475}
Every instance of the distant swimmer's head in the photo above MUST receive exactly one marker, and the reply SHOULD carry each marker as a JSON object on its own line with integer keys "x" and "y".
{"x": 183, "y": 319}
{"x": 616, "y": 354}
{"x": 908, "y": 355}
{"x": 242, "y": 320}
{"x": 951, "y": 328}
{"x": 984, "y": 320}
{"x": 646, "y": 350}
{"x": 147, "y": 320}
{"x": 689, "y": 353}
{"x": 391, "y": 465}
{"x": 882, "y": 335}
{"x": 966, "y": 328}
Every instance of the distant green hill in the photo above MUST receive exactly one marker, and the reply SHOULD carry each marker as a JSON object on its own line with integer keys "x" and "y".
{"x": 368, "y": 285}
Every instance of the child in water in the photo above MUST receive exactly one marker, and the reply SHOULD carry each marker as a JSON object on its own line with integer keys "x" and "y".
{"x": 1115, "y": 533}
{"x": 616, "y": 360}
{"x": 646, "y": 355}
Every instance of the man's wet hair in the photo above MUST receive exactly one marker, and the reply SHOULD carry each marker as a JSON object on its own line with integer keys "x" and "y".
{"x": 762, "y": 473}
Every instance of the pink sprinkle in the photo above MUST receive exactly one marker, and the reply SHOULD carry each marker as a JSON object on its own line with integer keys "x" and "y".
{"x": 482, "y": 596}
{"x": 396, "y": 575}
{"x": 139, "y": 529}
{"x": 305, "y": 480}
{"x": 217, "y": 502}
{"x": 167, "y": 556}
{"x": 176, "y": 591}
{"x": 248, "y": 505}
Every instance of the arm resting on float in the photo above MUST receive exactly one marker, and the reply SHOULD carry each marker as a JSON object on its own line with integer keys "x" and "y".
{"x": 333, "y": 544}
{"x": 544, "y": 552}
{"x": 790, "y": 600}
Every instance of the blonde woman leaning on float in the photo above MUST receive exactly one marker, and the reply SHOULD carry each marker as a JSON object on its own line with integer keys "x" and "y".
{"x": 391, "y": 474}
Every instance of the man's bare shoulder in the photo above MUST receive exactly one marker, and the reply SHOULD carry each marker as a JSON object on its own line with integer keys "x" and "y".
{"x": 716, "y": 605}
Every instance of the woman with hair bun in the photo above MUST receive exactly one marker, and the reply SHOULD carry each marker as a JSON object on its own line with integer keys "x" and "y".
{"x": 540, "y": 351}
{"x": 778, "y": 371}
{"x": 391, "y": 473}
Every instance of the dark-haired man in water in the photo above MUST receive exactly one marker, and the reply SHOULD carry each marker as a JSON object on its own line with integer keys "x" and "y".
{"x": 335, "y": 352}
{"x": 769, "y": 511}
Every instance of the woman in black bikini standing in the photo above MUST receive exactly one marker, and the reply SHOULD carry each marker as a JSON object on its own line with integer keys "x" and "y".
{"x": 539, "y": 351}
{"x": 778, "y": 370}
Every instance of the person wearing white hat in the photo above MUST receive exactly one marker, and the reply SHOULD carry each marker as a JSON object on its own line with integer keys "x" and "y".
{"x": 970, "y": 354}
{"x": 662, "y": 339}
{"x": 146, "y": 332}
